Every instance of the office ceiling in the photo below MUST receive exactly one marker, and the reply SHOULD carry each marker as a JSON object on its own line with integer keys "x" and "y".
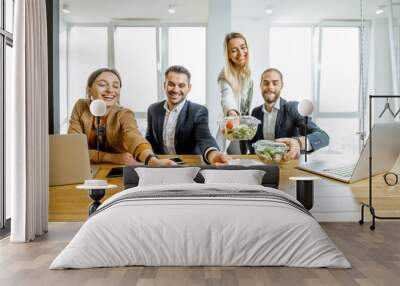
{"x": 187, "y": 11}
{"x": 196, "y": 11}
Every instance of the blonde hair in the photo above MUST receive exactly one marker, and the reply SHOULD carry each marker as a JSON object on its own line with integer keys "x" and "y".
{"x": 237, "y": 78}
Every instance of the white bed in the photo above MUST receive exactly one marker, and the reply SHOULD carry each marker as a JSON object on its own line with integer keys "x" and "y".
{"x": 258, "y": 226}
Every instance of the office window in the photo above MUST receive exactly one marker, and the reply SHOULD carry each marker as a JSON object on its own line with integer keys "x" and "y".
{"x": 397, "y": 41}
{"x": 138, "y": 53}
{"x": 6, "y": 63}
{"x": 187, "y": 47}
{"x": 63, "y": 89}
{"x": 9, "y": 9}
{"x": 342, "y": 134}
{"x": 8, "y": 85}
{"x": 87, "y": 52}
{"x": 136, "y": 60}
{"x": 325, "y": 70}
{"x": 340, "y": 69}
{"x": 291, "y": 53}
{"x": 2, "y": 133}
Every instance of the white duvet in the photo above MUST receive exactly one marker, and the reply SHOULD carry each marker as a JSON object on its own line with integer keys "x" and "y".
{"x": 200, "y": 231}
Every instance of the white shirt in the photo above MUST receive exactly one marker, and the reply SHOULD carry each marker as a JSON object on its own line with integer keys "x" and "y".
{"x": 270, "y": 120}
{"x": 169, "y": 127}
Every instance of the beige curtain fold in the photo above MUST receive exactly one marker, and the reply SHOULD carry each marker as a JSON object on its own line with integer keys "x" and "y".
{"x": 27, "y": 122}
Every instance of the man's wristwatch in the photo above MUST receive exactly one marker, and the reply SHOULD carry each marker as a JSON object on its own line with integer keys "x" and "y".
{"x": 146, "y": 162}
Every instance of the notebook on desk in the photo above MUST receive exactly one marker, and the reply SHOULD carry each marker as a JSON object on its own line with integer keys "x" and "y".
{"x": 386, "y": 148}
{"x": 69, "y": 160}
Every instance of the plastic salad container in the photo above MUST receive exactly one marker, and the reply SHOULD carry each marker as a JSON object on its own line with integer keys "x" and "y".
{"x": 270, "y": 151}
{"x": 237, "y": 128}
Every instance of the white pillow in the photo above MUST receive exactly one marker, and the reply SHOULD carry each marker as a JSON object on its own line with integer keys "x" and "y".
{"x": 248, "y": 177}
{"x": 166, "y": 176}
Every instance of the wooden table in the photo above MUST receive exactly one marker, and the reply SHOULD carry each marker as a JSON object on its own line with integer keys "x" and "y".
{"x": 334, "y": 201}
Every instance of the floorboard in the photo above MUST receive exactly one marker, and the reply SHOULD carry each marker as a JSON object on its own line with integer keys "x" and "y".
{"x": 374, "y": 255}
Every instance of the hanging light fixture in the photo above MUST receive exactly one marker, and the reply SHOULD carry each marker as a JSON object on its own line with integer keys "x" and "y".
{"x": 65, "y": 8}
{"x": 380, "y": 9}
{"x": 171, "y": 9}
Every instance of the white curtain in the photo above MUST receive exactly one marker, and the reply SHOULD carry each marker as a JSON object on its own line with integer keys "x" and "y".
{"x": 27, "y": 124}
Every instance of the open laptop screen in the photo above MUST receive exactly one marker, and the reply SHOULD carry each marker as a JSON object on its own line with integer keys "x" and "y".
{"x": 385, "y": 150}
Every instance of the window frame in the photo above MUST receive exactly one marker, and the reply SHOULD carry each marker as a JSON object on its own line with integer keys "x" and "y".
{"x": 316, "y": 58}
{"x": 317, "y": 112}
{"x": 396, "y": 33}
{"x": 313, "y": 51}
{"x": 165, "y": 48}
{"x": 361, "y": 108}
{"x": 138, "y": 23}
{"x": 69, "y": 27}
{"x": 6, "y": 39}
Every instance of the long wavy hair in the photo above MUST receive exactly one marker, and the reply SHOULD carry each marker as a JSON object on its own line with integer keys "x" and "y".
{"x": 236, "y": 77}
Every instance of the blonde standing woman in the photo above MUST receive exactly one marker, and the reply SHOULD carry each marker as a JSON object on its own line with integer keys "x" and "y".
{"x": 236, "y": 86}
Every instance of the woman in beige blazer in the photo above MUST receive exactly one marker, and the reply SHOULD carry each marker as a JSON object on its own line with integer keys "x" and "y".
{"x": 122, "y": 143}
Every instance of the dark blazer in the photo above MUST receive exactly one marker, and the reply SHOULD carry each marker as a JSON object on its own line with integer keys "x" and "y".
{"x": 192, "y": 134}
{"x": 289, "y": 123}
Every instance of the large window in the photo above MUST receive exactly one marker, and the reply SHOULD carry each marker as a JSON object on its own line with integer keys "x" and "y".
{"x": 291, "y": 53}
{"x": 6, "y": 43}
{"x": 8, "y": 82}
{"x": 397, "y": 41}
{"x": 340, "y": 69}
{"x": 87, "y": 51}
{"x": 322, "y": 63}
{"x": 339, "y": 108}
{"x": 139, "y": 51}
{"x": 190, "y": 54}
{"x": 9, "y": 15}
{"x": 136, "y": 60}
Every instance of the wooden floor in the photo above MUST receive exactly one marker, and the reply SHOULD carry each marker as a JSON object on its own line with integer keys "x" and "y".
{"x": 374, "y": 255}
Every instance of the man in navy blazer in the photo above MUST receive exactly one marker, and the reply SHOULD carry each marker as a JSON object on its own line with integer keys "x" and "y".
{"x": 281, "y": 120}
{"x": 178, "y": 126}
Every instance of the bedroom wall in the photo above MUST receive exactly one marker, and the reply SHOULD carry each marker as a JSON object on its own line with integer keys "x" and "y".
{"x": 380, "y": 77}
{"x": 223, "y": 16}
{"x": 256, "y": 29}
{"x": 63, "y": 74}
{"x": 380, "y": 69}
{"x": 219, "y": 24}
{"x": 251, "y": 20}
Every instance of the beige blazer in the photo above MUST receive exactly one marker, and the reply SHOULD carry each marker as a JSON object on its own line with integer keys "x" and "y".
{"x": 122, "y": 133}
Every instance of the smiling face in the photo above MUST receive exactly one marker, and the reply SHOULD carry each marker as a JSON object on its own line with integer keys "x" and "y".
{"x": 176, "y": 88}
{"x": 107, "y": 87}
{"x": 271, "y": 85}
{"x": 237, "y": 52}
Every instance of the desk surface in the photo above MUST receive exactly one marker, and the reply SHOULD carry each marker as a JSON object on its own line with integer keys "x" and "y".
{"x": 334, "y": 201}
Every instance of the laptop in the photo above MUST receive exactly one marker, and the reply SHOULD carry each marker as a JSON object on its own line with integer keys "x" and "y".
{"x": 385, "y": 150}
{"x": 69, "y": 160}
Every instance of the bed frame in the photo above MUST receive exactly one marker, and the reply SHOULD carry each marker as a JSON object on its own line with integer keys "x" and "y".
{"x": 270, "y": 179}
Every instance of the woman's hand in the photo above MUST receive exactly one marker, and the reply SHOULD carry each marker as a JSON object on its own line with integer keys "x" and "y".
{"x": 120, "y": 158}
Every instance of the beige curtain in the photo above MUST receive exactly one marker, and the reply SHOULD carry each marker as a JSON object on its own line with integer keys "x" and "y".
{"x": 27, "y": 124}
